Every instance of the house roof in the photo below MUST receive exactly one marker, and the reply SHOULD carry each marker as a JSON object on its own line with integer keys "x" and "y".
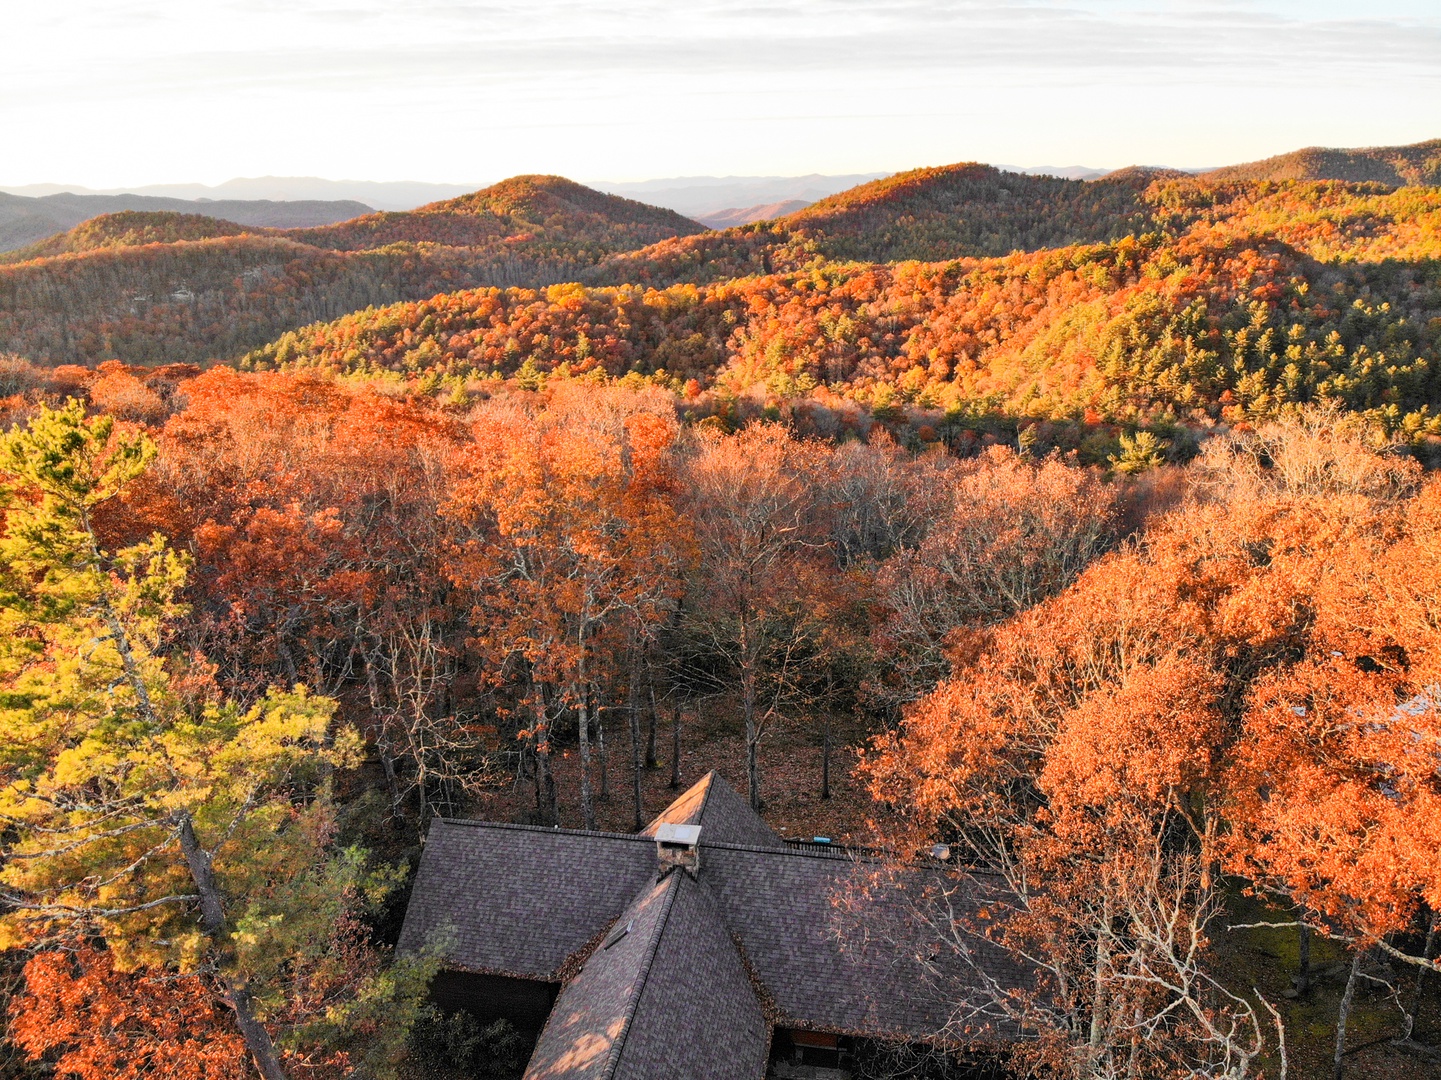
{"x": 662, "y": 967}
{"x": 653, "y": 996}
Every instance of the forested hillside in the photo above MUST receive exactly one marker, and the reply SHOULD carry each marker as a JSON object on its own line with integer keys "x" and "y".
{"x": 925, "y": 214}
{"x": 129, "y": 228}
{"x": 194, "y": 300}
{"x": 1243, "y": 300}
{"x": 149, "y": 288}
{"x": 529, "y": 213}
{"x": 159, "y": 291}
{"x": 932, "y": 214}
{"x": 1396, "y": 166}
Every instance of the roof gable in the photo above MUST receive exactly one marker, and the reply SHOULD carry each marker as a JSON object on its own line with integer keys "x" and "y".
{"x": 724, "y": 817}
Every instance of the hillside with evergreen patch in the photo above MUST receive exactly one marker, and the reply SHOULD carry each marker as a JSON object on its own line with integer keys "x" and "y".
{"x": 1395, "y": 166}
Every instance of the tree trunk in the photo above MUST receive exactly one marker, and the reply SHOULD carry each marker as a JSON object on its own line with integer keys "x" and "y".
{"x": 212, "y": 922}
{"x": 547, "y": 802}
{"x": 547, "y": 782}
{"x": 753, "y": 773}
{"x": 748, "y": 705}
{"x": 635, "y": 752}
{"x": 422, "y": 801}
{"x": 1098, "y": 1002}
{"x": 257, "y": 1039}
{"x": 529, "y": 749}
{"x": 392, "y": 781}
{"x": 826, "y": 759}
{"x": 1303, "y": 979}
{"x": 601, "y": 755}
{"x": 651, "y": 761}
{"x": 587, "y": 811}
{"x": 1421, "y": 975}
{"x": 1343, "y": 1014}
{"x": 675, "y": 749}
{"x": 382, "y": 740}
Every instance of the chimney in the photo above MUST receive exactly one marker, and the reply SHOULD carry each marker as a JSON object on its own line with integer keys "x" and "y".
{"x": 678, "y": 845}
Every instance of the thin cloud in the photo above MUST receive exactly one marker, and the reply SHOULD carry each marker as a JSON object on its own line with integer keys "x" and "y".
{"x": 273, "y": 74}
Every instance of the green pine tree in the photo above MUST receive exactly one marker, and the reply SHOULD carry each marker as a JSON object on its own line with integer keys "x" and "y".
{"x": 198, "y": 837}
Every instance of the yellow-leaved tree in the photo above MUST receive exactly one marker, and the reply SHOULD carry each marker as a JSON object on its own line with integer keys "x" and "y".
{"x": 181, "y": 831}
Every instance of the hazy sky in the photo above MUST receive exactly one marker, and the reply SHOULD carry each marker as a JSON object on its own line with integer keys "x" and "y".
{"x": 126, "y": 92}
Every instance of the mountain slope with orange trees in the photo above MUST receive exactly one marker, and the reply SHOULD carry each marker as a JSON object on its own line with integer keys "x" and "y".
{"x": 1277, "y": 296}
{"x": 148, "y": 288}
{"x": 522, "y": 211}
{"x": 214, "y": 299}
{"x": 967, "y": 209}
{"x": 927, "y": 214}
{"x": 129, "y": 228}
{"x": 957, "y": 211}
{"x": 197, "y": 300}
{"x": 1396, "y": 166}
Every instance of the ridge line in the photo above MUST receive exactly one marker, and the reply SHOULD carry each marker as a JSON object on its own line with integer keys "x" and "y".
{"x": 617, "y": 1048}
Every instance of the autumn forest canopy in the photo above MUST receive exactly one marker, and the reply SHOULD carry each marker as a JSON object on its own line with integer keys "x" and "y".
{"x": 1080, "y": 538}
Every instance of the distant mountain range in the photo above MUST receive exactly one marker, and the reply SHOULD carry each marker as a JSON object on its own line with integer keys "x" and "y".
{"x": 694, "y": 196}
{"x": 718, "y": 202}
{"x": 159, "y": 283}
{"x": 381, "y": 195}
{"x": 722, "y": 201}
{"x": 745, "y": 215}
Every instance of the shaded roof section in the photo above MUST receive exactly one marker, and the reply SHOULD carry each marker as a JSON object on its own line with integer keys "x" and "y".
{"x": 664, "y": 995}
{"x": 518, "y": 899}
{"x": 723, "y": 815}
{"x": 867, "y": 971}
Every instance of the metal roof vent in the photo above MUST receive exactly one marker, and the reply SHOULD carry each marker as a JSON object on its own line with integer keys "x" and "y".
{"x": 678, "y": 845}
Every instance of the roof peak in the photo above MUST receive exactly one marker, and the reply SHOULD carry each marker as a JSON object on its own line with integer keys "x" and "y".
{"x": 720, "y": 810}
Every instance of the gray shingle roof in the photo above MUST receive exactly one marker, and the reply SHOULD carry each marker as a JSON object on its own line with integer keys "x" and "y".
{"x": 667, "y": 998}
{"x": 518, "y": 899}
{"x": 665, "y": 995}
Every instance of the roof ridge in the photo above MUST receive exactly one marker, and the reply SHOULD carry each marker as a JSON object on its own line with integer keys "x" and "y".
{"x": 617, "y": 1046}
{"x": 708, "y": 780}
{"x": 840, "y": 852}
{"x": 549, "y": 830}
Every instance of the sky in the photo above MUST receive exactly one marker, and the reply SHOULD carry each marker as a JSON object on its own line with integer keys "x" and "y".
{"x": 108, "y": 93}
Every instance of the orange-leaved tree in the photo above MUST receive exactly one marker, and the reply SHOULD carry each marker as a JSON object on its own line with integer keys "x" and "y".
{"x": 761, "y": 591}
{"x": 1109, "y": 752}
{"x": 96, "y": 1023}
{"x": 1333, "y": 792}
{"x": 570, "y": 544}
